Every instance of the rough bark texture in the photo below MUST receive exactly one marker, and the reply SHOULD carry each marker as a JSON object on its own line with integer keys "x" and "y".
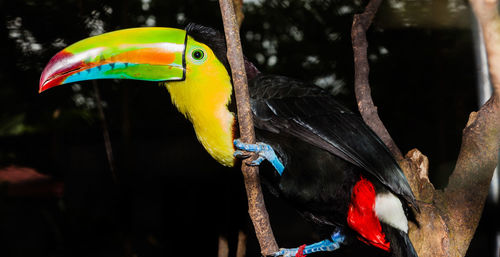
{"x": 256, "y": 206}
{"x": 448, "y": 218}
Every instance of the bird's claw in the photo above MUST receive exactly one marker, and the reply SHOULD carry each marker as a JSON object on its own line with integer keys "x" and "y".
{"x": 257, "y": 161}
{"x": 263, "y": 150}
{"x": 286, "y": 252}
{"x": 241, "y": 154}
{"x": 331, "y": 244}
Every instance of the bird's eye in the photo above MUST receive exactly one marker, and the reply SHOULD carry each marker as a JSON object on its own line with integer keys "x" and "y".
{"x": 198, "y": 54}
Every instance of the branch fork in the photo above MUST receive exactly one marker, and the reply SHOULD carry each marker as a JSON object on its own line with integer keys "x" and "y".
{"x": 449, "y": 217}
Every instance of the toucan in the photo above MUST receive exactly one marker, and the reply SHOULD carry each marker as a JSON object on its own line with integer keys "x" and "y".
{"x": 324, "y": 160}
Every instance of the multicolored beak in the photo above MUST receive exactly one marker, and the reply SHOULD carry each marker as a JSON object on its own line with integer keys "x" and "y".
{"x": 153, "y": 54}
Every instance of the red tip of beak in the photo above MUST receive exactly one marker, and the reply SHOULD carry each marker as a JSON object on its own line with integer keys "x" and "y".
{"x": 58, "y": 69}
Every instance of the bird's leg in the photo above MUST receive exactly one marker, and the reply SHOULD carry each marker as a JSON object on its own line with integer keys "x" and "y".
{"x": 331, "y": 244}
{"x": 264, "y": 151}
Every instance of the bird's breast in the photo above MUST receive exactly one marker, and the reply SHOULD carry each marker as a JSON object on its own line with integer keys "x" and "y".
{"x": 215, "y": 131}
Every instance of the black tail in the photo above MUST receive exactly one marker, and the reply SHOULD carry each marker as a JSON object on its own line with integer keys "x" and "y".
{"x": 400, "y": 243}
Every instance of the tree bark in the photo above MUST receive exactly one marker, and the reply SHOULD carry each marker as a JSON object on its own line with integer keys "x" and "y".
{"x": 448, "y": 218}
{"x": 256, "y": 205}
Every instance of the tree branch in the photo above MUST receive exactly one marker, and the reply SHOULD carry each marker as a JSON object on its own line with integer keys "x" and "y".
{"x": 242, "y": 244}
{"x": 478, "y": 155}
{"x": 448, "y": 218}
{"x": 105, "y": 133}
{"x": 368, "y": 110}
{"x": 256, "y": 206}
{"x": 238, "y": 9}
{"x": 223, "y": 247}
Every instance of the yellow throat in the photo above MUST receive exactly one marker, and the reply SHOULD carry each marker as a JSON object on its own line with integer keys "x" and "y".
{"x": 203, "y": 98}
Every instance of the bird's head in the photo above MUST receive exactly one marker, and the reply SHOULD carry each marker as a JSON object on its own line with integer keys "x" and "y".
{"x": 191, "y": 63}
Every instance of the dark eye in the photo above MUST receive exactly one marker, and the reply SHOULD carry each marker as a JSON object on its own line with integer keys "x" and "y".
{"x": 198, "y": 54}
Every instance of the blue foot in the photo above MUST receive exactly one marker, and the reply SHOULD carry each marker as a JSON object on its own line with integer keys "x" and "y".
{"x": 264, "y": 151}
{"x": 327, "y": 245}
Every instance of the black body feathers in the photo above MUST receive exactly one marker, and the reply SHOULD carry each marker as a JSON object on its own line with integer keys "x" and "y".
{"x": 325, "y": 148}
{"x": 285, "y": 106}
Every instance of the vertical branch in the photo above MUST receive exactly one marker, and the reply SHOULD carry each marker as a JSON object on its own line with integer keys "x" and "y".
{"x": 486, "y": 12}
{"x": 256, "y": 206}
{"x": 368, "y": 110}
{"x": 480, "y": 142}
{"x": 105, "y": 132}
{"x": 238, "y": 9}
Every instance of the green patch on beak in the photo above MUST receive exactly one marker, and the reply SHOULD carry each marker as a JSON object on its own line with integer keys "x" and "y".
{"x": 152, "y": 54}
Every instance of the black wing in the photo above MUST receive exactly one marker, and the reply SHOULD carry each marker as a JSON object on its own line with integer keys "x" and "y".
{"x": 283, "y": 105}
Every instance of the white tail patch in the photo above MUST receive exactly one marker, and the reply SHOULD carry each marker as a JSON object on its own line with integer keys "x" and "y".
{"x": 390, "y": 211}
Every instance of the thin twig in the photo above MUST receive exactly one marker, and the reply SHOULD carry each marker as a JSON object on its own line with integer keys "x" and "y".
{"x": 105, "y": 132}
{"x": 256, "y": 206}
{"x": 238, "y": 9}
{"x": 368, "y": 110}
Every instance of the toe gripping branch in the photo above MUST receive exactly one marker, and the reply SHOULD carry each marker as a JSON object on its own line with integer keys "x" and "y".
{"x": 263, "y": 150}
{"x": 329, "y": 245}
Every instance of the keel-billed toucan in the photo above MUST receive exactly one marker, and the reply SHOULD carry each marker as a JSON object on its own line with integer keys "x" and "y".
{"x": 327, "y": 163}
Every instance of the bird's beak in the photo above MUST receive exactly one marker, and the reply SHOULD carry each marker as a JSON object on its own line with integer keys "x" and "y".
{"x": 153, "y": 54}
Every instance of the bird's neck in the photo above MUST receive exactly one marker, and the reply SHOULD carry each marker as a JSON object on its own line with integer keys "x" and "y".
{"x": 204, "y": 100}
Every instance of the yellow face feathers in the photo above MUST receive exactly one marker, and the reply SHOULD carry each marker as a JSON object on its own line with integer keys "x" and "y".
{"x": 203, "y": 98}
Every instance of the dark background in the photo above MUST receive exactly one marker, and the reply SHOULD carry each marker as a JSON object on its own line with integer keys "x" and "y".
{"x": 170, "y": 198}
